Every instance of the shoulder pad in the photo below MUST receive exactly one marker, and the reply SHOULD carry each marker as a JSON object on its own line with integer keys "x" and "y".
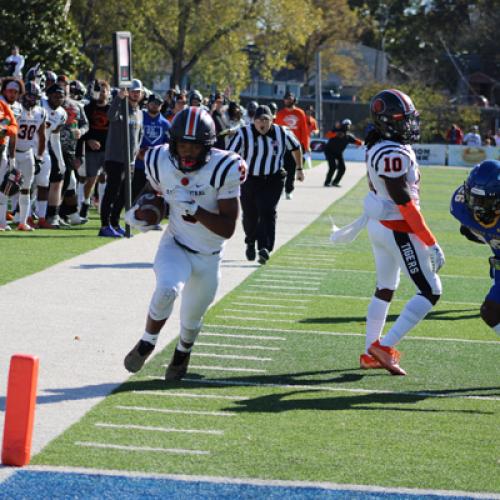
{"x": 391, "y": 160}
{"x": 229, "y": 170}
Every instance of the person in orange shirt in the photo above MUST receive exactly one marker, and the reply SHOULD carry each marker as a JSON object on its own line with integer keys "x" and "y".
{"x": 295, "y": 119}
{"x": 8, "y": 132}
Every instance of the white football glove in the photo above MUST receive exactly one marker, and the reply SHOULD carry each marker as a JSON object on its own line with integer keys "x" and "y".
{"x": 184, "y": 201}
{"x": 437, "y": 257}
{"x": 130, "y": 219}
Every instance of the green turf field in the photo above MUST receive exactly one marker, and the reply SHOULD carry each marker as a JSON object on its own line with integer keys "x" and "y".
{"x": 274, "y": 390}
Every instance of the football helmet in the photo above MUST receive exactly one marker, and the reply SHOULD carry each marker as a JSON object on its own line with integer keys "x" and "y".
{"x": 32, "y": 94}
{"x": 252, "y": 108}
{"x": 482, "y": 192}
{"x": 77, "y": 89}
{"x": 195, "y": 95}
{"x": 395, "y": 117}
{"x": 192, "y": 125}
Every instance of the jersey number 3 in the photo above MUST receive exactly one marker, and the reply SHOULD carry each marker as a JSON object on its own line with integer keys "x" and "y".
{"x": 393, "y": 164}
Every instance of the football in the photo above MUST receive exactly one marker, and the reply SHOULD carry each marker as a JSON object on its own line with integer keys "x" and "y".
{"x": 152, "y": 208}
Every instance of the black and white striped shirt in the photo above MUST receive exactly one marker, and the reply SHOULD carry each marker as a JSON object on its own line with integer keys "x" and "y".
{"x": 263, "y": 154}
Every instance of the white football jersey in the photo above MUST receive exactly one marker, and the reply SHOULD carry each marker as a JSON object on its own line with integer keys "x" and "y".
{"x": 392, "y": 159}
{"x": 218, "y": 179}
{"x": 55, "y": 117}
{"x": 29, "y": 122}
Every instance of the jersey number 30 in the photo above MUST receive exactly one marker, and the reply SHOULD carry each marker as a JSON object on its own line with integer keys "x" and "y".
{"x": 393, "y": 164}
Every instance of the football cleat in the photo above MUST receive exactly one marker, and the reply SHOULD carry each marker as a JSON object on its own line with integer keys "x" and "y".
{"x": 108, "y": 232}
{"x": 136, "y": 358}
{"x": 367, "y": 362}
{"x": 263, "y": 256}
{"x": 178, "y": 366}
{"x": 5, "y": 227}
{"x": 250, "y": 252}
{"x": 388, "y": 357}
{"x": 25, "y": 227}
{"x": 74, "y": 219}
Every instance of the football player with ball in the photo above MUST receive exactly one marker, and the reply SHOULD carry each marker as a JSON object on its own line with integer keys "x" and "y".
{"x": 201, "y": 186}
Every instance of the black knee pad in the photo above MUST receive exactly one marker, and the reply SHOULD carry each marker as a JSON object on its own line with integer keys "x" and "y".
{"x": 433, "y": 299}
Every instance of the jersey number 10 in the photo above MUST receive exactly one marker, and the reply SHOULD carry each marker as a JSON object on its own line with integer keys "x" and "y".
{"x": 393, "y": 164}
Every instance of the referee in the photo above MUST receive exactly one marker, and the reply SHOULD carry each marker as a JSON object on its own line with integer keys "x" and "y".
{"x": 263, "y": 145}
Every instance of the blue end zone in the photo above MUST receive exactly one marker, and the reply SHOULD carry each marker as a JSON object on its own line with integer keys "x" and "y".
{"x": 40, "y": 484}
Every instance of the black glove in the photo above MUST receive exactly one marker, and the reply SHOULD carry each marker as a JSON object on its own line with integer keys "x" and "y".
{"x": 38, "y": 165}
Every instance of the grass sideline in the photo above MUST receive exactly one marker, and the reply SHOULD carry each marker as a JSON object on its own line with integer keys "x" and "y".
{"x": 274, "y": 390}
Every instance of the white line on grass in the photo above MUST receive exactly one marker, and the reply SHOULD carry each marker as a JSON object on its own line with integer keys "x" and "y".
{"x": 188, "y": 395}
{"x": 262, "y": 482}
{"x": 293, "y": 271}
{"x": 307, "y": 259}
{"x": 153, "y": 428}
{"x": 246, "y": 318}
{"x": 228, "y": 356}
{"x": 226, "y": 369}
{"x": 272, "y": 287}
{"x": 256, "y": 311}
{"x": 238, "y": 346}
{"x": 259, "y": 337}
{"x": 178, "y": 451}
{"x": 275, "y": 299}
{"x": 288, "y": 281}
{"x": 348, "y": 334}
{"x": 181, "y": 412}
{"x": 271, "y": 306}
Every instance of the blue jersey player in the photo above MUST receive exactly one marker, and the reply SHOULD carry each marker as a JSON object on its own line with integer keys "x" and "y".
{"x": 476, "y": 205}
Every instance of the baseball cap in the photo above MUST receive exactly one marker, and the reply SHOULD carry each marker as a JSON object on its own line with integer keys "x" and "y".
{"x": 263, "y": 112}
{"x": 136, "y": 85}
{"x": 155, "y": 98}
{"x": 289, "y": 95}
{"x": 63, "y": 79}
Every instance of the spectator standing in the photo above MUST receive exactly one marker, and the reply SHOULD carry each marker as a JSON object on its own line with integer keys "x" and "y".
{"x": 295, "y": 119}
{"x": 180, "y": 104}
{"x": 116, "y": 157}
{"x": 14, "y": 63}
{"x": 473, "y": 138}
{"x": 338, "y": 139}
{"x": 219, "y": 120}
{"x": 497, "y": 138}
{"x": 250, "y": 112}
{"x": 454, "y": 135}
{"x": 262, "y": 145}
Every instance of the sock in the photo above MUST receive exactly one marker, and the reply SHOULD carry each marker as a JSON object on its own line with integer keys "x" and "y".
{"x": 24, "y": 203}
{"x": 86, "y": 201}
{"x": 183, "y": 346}
{"x": 80, "y": 194}
{"x": 14, "y": 199}
{"x": 101, "y": 187}
{"x": 375, "y": 320}
{"x": 3, "y": 209}
{"x": 52, "y": 211}
{"x": 152, "y": 338}
{"x": 414, "y": 311}
{"x": 41, "y": 208}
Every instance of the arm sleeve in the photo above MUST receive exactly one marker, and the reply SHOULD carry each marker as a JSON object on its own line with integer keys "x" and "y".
{"x": 415, "y": 220}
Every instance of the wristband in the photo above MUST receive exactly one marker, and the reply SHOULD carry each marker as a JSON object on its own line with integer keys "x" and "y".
{"x": 417, "y": 223}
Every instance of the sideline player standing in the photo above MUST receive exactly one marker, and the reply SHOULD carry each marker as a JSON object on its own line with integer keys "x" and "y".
{"x": 476, "y": 205}
{"x": 401, "y": 240}
{"x": 201, "y": 185}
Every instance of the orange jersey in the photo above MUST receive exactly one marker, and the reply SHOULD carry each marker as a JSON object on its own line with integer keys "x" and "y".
{"x": 295, "y": 119}
{"x": 7, "y": 119}
{"x": 312, "y": 124}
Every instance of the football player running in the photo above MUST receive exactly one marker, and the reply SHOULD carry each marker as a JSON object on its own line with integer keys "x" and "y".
{"x": 400, "y": 237}
{"x": 476, "y": 205}
{"x": 201, "y": 185}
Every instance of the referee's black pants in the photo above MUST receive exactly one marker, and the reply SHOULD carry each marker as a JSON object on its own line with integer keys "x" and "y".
{"x": 336, "y": 165}
{"x": 290, "y": 166}
{"x": 259, "y": 199}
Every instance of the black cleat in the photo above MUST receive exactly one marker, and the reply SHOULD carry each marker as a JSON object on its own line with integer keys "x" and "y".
{"x": 178, "y": 366}
{"x": 263, "y": 256}
{"x": 136, "y": 358}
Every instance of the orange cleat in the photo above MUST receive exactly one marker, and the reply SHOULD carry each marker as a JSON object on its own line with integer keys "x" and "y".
{"x": 367, "y": 362}
{"x": 10, "y": 216}
{"x": 387, "y": 356}
{"x": 24, "y": 227}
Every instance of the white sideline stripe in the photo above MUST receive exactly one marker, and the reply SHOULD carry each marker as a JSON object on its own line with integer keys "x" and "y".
{"x": 189, "y": 395}
{"x": 256, "y": 311}
{"x": 179, "y": 451}
{"x": 226, "y": 369}
{"x": 275, "y": 299}
{"x": 293, "y": 271}
{"x": 352, "y": 334}
{"x": 229, "y": 356}
{"x": 319, "y": 270}
{"x": 288, "y": 280}
{"x": 328, "y": 388}
{"x": 272, "y": 306}
{"x": 182, "y": 412}
{"x": 260, "y": 337}
{"x": 272, "y": 287}
{"x": 339, "y": 296}
{"x": 238, "y": 346}
{"x": 260, "y": 482}
{"x": 160, "y": 429}
{"x": 244, "y": 318}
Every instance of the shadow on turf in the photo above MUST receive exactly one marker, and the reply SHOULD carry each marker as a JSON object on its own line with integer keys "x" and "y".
{"x": 447, "y": 315}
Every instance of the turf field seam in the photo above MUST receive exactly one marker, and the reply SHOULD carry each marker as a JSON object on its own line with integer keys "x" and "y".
{"x": 181, "y": 412}
{"x": 148, "y": 449}
{"x": 153, "y": 428}
{"x": 190, "y": 395}
{"x": 262, "y": 482}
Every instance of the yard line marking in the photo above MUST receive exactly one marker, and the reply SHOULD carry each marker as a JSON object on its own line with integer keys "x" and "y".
{"x": 327, "y": 486}
{"x": 307, "y": 259}
{"x": 352, "y": 334}
{"x": 260, "y": 337}
{"x": 275, "y": 299}
{"x": 288, "y": 280}
{"x": 239, "y": 346}
{"x": 160, "y": 429}
{"x": 292, "y": 270}
{"x": 226, "y": 369}
{"x": 319, "y": 270}
{"x": 189, "y": 395}
{"x": 256, "y": 311}
{"x": 181, "y": 412}
{"x": 228, "y": 356}
{"x": 356, "y": 297}
{"x": 328, "y": 388}
{"x": 244, "y": 318}
{"x": 272, "y": 287}
{"x": 300, "y": 253}
{"x": 179, "y": 451}
{"x": 271, "y": 306}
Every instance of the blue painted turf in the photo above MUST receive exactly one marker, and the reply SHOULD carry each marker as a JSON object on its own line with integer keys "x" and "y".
{"x": 44, "y": 485}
